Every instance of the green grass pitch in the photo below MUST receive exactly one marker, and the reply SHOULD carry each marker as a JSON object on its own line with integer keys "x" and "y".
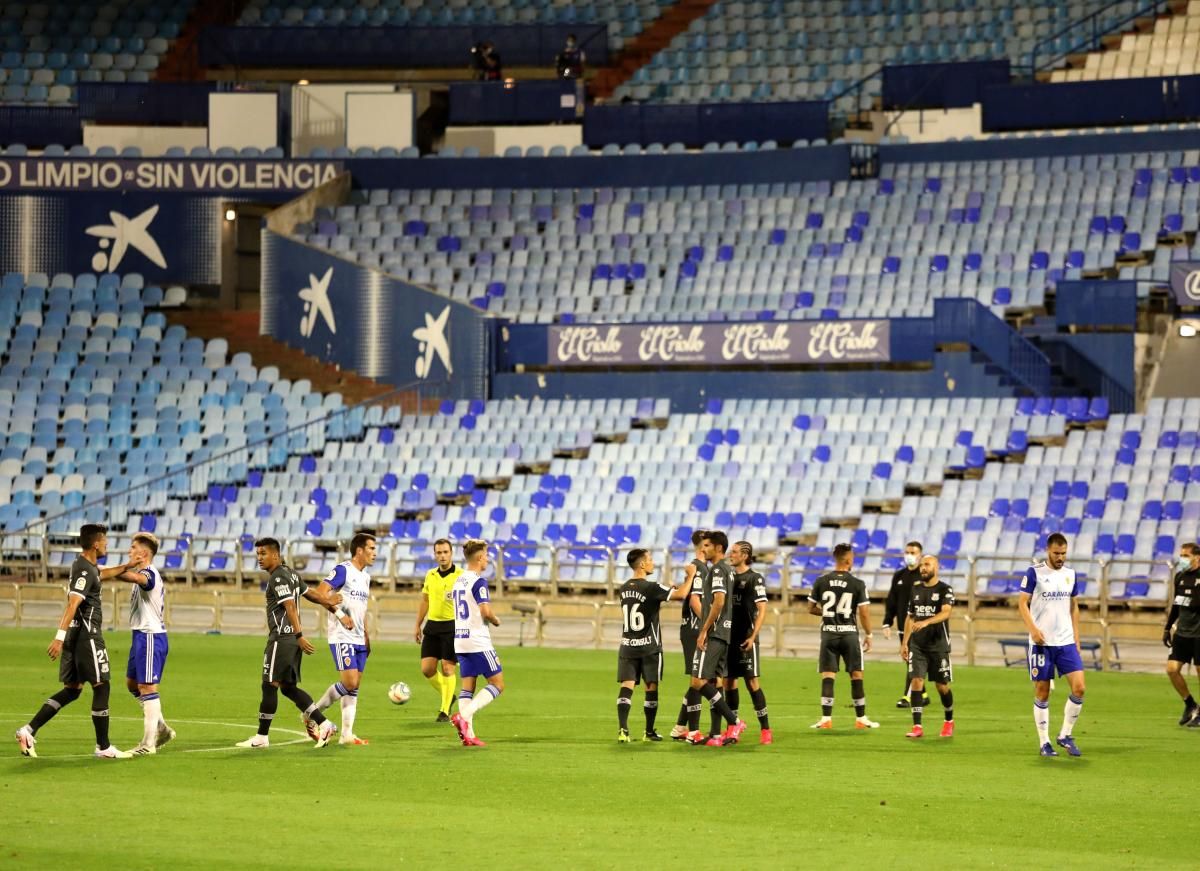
{"x": 555, "y": 790}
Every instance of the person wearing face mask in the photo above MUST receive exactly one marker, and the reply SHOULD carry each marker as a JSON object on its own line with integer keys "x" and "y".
{"x": 1185, "y": 646}
{"x": 896, "y": 609}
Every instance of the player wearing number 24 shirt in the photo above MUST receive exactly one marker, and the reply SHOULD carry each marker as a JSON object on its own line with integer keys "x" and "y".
{"x": 840, "y": 599}
{"x": 641, "y": 658}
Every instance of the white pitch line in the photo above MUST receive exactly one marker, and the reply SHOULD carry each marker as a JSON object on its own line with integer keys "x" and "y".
{"x": 300, "y": 740}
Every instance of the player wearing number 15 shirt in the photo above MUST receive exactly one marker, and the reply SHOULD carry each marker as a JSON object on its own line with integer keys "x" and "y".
{"x": 841, "y": 601}
{"x": 641, "y": 658}
{"x": 473, "y": 641}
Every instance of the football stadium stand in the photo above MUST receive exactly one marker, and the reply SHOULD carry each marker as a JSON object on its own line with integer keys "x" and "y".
{"x": 998, "y": 231}
{"x": 1171, "y": 49}
{"x": 48, "y": 47}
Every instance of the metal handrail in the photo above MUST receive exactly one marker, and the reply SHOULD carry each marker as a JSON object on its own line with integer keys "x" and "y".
{"x": 1093, "y": 41}
{"x": 192, "y": 467}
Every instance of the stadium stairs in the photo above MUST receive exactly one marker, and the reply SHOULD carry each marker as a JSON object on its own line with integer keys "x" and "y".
{"x": 182, "y": 62}
{"x": 1112, "y": 42}
{"x": 241, "y": 331}
{"x": 673, "y": 21}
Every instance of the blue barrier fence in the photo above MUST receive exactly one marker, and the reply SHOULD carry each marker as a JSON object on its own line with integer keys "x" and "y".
{"x": 148, "y": 103}
{"x": 37, "y": 126}
{"x": 1089, "y": 104}
{"x": 521, "y": 102}
{"x": 1102, "y": 363}
{"x": 968, "y": 320}
{"x": 697, "y": 124}
{"x": 448, "y": 46}
{"x": 940, "y": 86}
{"x": 1096, "y": 303}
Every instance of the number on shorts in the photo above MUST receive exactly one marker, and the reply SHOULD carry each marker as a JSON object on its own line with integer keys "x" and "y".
{"x": 635, "y": 620}
{"x": 831, "y": 602}
{"x": 1037, "y": 660}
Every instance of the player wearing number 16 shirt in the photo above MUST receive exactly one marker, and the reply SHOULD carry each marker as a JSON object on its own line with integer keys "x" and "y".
{"x": 841, "y": 601}
{"x": 641, "y": 658}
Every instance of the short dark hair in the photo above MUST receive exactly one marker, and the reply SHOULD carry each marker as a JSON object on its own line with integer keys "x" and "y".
{"x": 697, "y": 537}
{"x": 444, "y": 541}
{"x": 269, "y": 543}
{"x": 1191, "y": 547}
{"x": 718, "y": 538}
{"x": 472, "y": 547}
{"x": 147, "y": 541}
{"x": 361, "y": 539}
{"x": 842, "y": 551}
{"x": 89, "y": 533}
{"x": 1056, "y": 538}
{"x": 747, "y": 548}
{"x": 917, "y": 545}
{"x": 635, "y": 556}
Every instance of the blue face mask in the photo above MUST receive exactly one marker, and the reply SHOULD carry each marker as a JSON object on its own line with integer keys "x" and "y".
{"x": 1183, "y": 563}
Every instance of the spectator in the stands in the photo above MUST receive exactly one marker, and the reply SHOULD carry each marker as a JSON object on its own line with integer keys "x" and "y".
{"x": 487, "y": 62}
{"x": 571, "y": 59}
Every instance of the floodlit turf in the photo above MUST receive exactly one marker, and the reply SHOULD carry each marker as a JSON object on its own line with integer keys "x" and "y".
{"x": 554, "y": 790}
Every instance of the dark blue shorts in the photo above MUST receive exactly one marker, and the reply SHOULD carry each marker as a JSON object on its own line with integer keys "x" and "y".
{"x": 1046, "y": 659}
{"x": 482, "y": 664}
{"x": 349, "y": 657}
{"x": 147, "y": 657}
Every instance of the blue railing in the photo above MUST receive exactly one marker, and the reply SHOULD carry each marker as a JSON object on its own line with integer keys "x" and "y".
{"x": 145, "y": 103}
{"x": 969, "y": 321}
{"x": 1083, "y": 371}
{"x": 1085, "y": 33}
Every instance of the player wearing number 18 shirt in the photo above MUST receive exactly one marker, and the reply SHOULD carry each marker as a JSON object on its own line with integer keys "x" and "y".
{"x": 641, "y": 658}
{"x": 1050, "y": 611}
{"x": 841, "y": 601}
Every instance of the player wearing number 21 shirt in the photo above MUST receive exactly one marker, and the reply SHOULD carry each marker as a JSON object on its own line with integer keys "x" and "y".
{"x": 641, "y": 658}
{"x": 841, "y": 601}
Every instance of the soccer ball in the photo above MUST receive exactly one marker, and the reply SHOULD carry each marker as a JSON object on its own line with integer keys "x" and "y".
{"x": 399, "y": 693}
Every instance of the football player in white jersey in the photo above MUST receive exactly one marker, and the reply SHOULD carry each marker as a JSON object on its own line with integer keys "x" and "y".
{"x": 1050, "y": 610}
{"x": 473, "y": 642}
{"x": 349, "y": 640}
{"x": 148, "y": 649}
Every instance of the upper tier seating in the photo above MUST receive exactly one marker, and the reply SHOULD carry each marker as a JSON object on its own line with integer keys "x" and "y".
{"x": 1172, "y": 49}
{"x": 998, "y": 231}
{"x": 46, "y": 48}
{"x": 815, "y": 49}
{"x": 625, "y": 18}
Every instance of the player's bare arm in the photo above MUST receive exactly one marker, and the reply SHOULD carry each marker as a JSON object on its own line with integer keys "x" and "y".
{"x": 940, "y": 617}
{"x": 685, "y": 589}
{"x": 119, "y": 572}
{"x": 1075, "y": 619}
{"x": 293, "y": 615}
{"x": 759, "y": 616}
{"x": 864, "y": 621}
{"x": 814, "y": 608}
{"x": 74, "y": 600}
{"x": 1027, "y": 618}
{"x": 908, "y": 631}
{"x": 327, "y": 598}
{"x": 422, "y": 613}
{"x": 486, "y": 612}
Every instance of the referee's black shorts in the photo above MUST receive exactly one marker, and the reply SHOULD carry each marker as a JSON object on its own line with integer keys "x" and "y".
{"x": 437, "y": 641}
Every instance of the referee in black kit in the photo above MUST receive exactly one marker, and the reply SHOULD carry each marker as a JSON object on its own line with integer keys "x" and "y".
{"x": 896, "y": 609}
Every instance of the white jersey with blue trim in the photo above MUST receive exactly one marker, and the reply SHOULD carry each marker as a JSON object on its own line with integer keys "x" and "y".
{"x": 148, "y": 602}
{"x": 1050, "y": 594}
{"x": 355, "y": 586}
{"x": 471, "y": 634}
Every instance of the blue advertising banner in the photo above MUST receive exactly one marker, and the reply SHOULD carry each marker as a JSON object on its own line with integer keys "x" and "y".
{"x": 371, "y": 323}
{"x": 165, "y": 237}
{"x": 1185, "y": 282}
{"x": 136, "y": 174}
